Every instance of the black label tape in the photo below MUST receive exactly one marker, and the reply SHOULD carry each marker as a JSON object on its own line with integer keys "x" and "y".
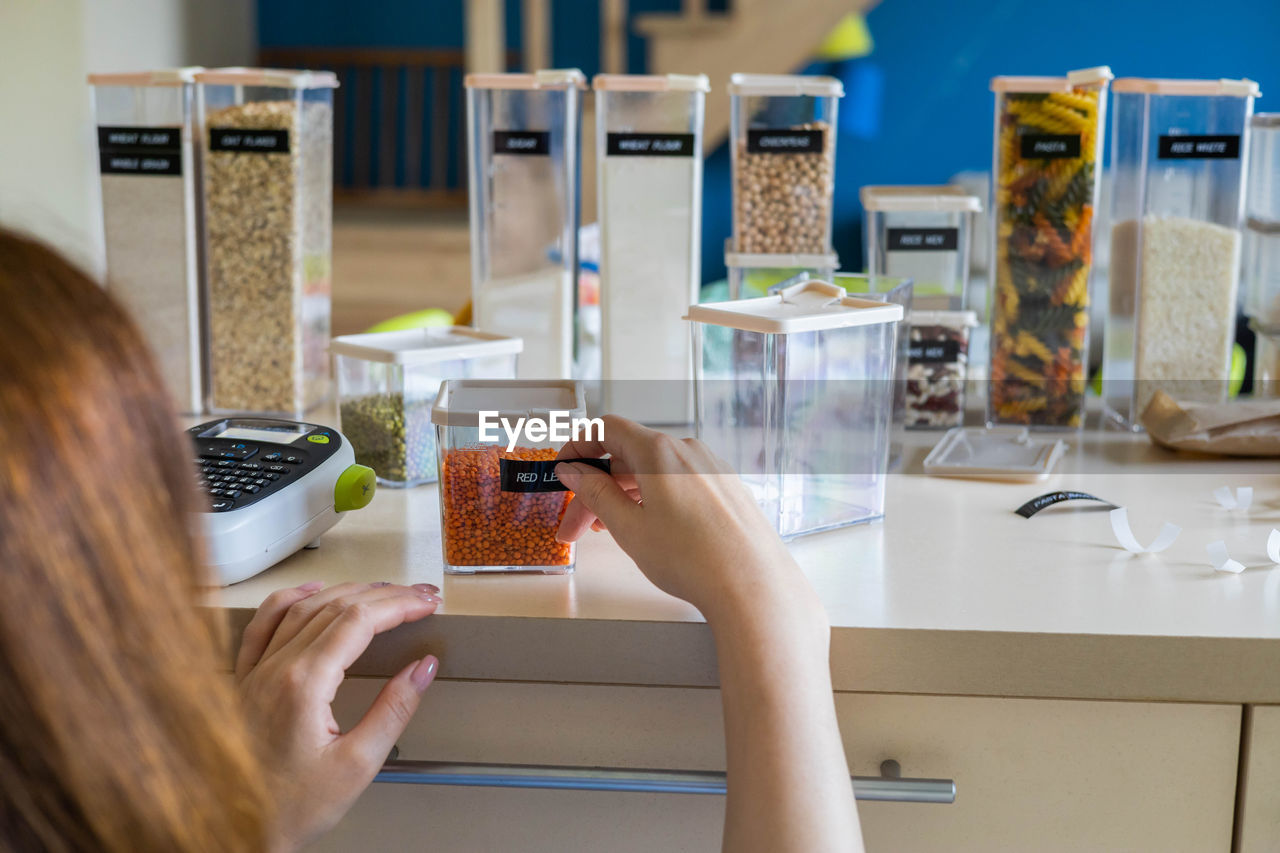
{"x": 1199, "y": 148}
{"x": 249, "y": 141}
{"x": 650, "y": 145}
{"x": 933, "y": 352}
{"x": 140, "y": 150}
{"x": 532, "y": 142}
{"x": 1034, "y": 505}
{"x": 1049, "y": 146}
{"x": 785, "y": 141}
{"x": 922, "y": 239}
{"x": 524, "y": 475}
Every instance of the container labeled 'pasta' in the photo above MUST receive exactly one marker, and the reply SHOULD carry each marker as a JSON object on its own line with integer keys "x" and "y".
{"x": 649, "y": 162}
{"x": 753, "y": 275}
{"x": 522, "y": 139}
{"x": 1177, "y": 164}
{"x": 795, "y": 391}
{"x": 500, "y": 502}
{"x": 921, "y": 233}
{"x": 150, "y": 191}
{"x": 1262, "y": 222}
{"x": 783, "y": 145}
{"x": 388, "y": 382}
{"x": 267, "y": 139}
{"x": 1048, "y": 137}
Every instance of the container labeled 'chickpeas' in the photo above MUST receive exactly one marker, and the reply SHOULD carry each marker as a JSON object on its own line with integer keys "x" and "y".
{"x": 150, "y": 192}
{"x": 922, "y": 233}
{"x": 267, "y": 138}
{"x": 783, "y": 144}
{"x": 795, "y": 391}
{"x": 1178, "y": 149}
{"x": 388, "y": 382}
{"x": 757, "y": 275}
{"x": 1048, "y": 141}
{"x": 500, "y": 502}
{"x": 522, "y": 135}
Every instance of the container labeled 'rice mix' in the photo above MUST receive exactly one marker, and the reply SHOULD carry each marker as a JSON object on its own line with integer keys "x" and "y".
{"x": 1047, "y": 144}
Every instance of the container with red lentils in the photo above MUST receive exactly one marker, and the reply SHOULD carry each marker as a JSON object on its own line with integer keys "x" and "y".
{"x": 500, "y": 503}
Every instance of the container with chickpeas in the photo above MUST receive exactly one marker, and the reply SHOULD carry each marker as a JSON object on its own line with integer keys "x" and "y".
{"x": 784, "y": 162}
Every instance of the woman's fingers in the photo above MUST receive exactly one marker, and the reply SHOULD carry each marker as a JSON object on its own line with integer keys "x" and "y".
{"x": 579, "y": 518}
{"x": 262, "y": 627}
{"x": 600, "y": 495}
{"x": 373, "y": 737}
{"x": 353, "y": 624}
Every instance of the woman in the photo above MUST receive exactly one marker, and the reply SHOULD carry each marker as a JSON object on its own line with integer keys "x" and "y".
{"x": 117, "y": 731}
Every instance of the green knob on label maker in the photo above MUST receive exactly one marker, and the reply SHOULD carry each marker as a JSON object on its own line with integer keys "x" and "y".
{"x": 319, "y": 438}
{"x": 355, "y": 488}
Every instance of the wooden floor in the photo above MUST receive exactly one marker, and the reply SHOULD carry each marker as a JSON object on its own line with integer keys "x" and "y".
{"x": 390, "y": 262}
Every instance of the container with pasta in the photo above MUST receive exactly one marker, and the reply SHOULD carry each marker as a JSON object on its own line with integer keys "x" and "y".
{"x": 1048, "y": 136}
{"x": 1178, "y": 149}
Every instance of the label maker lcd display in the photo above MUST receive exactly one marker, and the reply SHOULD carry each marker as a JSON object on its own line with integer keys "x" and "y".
{"x": 273, "y": 486}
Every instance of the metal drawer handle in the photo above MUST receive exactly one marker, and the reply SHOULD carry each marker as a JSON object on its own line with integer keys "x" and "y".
{"x": 867, "y": 788}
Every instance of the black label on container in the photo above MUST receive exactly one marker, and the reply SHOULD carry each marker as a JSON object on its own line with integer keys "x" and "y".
{"x": 140, "y": 150}
{"x": 1199, "y": 148}
{"x": 1034, "y": 505}
{"x": 933, "y": 352}
{"x": 522, "y": 142}
{"x": 245, "y": 140}
{"x": 785, "y": 141}
{"x": 522, "y": 475}
{"x": 123, "y": 163}
{"x": 1050, "y": 146}
{"x": 167, "y": 139}
{"x": 922, "y": 239}
{"x": 650, "y": 144}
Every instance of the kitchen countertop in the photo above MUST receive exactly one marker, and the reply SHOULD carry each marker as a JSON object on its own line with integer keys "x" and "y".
{"x": 951, "y": 594}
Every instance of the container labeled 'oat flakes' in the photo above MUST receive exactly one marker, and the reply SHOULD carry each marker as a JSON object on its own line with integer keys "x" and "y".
{"x": 267, "y": 138}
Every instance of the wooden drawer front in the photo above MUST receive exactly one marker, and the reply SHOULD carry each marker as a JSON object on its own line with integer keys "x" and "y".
{"x": 1030, "y": 774}
{"x": 1260, "y": 782}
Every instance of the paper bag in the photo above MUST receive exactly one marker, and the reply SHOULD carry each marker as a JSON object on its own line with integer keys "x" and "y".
{"x": 1239, "y": 428}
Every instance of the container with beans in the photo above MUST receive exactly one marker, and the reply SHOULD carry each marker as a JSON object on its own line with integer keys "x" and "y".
{"x": 388, "y": 381}
{"x": 500, "y": 504}
{"x": 937, "y": 365}
{"x": 784, "y": 161}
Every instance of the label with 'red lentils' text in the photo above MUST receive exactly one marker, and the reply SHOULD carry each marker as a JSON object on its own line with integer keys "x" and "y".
{"x": 785, "y": 141}
{"x": 538, "y": 475}
{"x": 1049, "y": 146}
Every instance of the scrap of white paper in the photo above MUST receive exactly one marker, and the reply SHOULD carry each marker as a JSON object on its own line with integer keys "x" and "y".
{"x": 1124, "y": 534}
{"x": 1240, "y": 499}
{"x": 1273, "y": 545}
{"x": 1222, "y": 561}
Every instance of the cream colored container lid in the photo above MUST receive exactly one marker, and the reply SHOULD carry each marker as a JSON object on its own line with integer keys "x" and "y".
{"x": 282, "y": 78}
{"x": 756, "y": 261}
{"x": 784, "y": 85}
{"x": 946, "y": 198}
{"x": 553, "y": 78}
{"x": 951, "y": 319}
{"x": 425, "y": 346}
{"x": 158, "y": 77}
{"x": 1097, "y": 76}
{"x": 808, "y": 306}
{"x": 651, "y": 83}
{"x": 461, "y": 401}
{"x": 1209, "y": 88}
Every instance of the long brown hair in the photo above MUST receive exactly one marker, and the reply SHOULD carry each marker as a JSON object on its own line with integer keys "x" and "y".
{"x": 116, "y": 731}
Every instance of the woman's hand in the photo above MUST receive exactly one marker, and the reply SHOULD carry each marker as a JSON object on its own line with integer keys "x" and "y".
{"x": 293, "y": 657}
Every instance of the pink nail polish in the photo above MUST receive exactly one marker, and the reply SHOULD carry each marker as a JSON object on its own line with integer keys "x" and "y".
{"x": 426, "y": 587}
{"x": 424, "y": 673}
{"x": 310, "y": 586}
{"x": 430, "y": 598}
{"x": 380, "y": 584}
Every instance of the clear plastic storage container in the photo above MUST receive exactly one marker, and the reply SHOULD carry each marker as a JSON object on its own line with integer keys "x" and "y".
{"x": 1178, "y": 149}
{"x": 794, "y": 391}
{"x": 388, "y": 382}
{"x": 267, "y": 138}
{"x": 500, "y": 504}
{"x": 922, "y": 233}
{"x": 522, "y": 135}
{"x": 150, "y": 208}
{"x": 756, "y": 275}
{"x": 783, "y": 144}
{"x": 1048, "y": 142}
{"x": 937, "y": 368}
{"x": 649, "y": 160}
{"x": 1262, "y": 221}
{"x": 1266, "y": 361}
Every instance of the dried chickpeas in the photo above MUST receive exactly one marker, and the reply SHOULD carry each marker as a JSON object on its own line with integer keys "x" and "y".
{"x": 783, "y": 200}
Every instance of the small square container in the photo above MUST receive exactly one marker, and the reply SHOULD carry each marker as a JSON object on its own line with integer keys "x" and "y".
{"x": 783, "y": 145}
{"x": 937, "y": 368}
{"x": 150, "y": 208}
{"x": 1266, "y": 360}
{"x": 794, "y": 391}
{"x": 267, "y": 140}
{"x": 522, "y": 138}
{"x": 1178, "y": 149}
{"x": 1047, "y": 150}
{"x": 922, "y": 233}
{"x": 1262, "y": 222}
{"x": 1008, "y": 454}
{"x": 388, "y": 382}
{"x": 491, "y": 520}
{"x": 757, "y": 275}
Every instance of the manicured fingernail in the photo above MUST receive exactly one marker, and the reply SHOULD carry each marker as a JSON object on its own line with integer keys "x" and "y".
{"x": 424, "y": 673}
{"x": 310, "y": 586}
{"x": 430, "y": 599}
{"x": 426, "y": 587}
{"x": 378, "y": 584}
{"x": 568, "y": 475}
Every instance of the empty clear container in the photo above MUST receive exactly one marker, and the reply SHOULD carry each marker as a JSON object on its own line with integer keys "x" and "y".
{"x": 267, "y": 139}
{"x": 500, "y": 503}
{"x": 1262, "y": 221}
{"x": 388, "y": 382}
{"x": 522, "y": 135}
{"x": 1178, "y": 149}
{"x": 1266, "y": 361}
{"x": 649, "y": 161}
{"x": 922, "y": 233}
{"x": 150, "y": 195}
{"x": 756, "y": 275}
{"x": 783, "y": 145}
{"x": 794, "y": 391}
{"x": 1047, "y": 147}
